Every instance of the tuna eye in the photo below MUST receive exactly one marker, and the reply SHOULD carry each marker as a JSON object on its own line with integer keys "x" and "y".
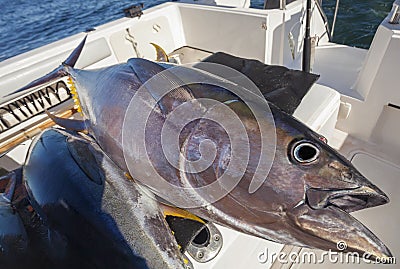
{"x": 305, "y": 152}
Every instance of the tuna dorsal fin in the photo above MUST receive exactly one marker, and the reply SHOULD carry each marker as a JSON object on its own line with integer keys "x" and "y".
{"x": 161, "y": 54}
{"x": 69, "y": 124}
{"x": 59, "y": 72}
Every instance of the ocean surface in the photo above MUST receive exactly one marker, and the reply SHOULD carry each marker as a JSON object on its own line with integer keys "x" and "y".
{"x": 29, "y": 24}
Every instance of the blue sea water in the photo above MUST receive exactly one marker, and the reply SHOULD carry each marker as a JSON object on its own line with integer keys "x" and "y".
{"x": 28, "y": 24}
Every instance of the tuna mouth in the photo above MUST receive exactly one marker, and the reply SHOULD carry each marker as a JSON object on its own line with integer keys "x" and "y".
{"x": 325, "y": 215}
{"x": 329, "y": 227}
{"x": 349, "y": 200}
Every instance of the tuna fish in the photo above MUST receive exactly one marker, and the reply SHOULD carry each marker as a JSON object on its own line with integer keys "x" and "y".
{"x": 120, "y": 224}
{"x": 305, "y": 198}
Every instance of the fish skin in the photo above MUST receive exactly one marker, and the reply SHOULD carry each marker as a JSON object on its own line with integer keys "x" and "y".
{"x": 116, "y": 217}
{"x": 273, "y": 211}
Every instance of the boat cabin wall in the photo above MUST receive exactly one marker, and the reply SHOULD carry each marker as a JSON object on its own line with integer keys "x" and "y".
{"x": 251, "y": 33}
{"x": 242, "y": 32}
{"x": 375, "y": 115}
{"x": 286, "y": 34}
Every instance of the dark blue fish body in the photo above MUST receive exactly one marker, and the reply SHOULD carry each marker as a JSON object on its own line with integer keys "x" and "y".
{"x": 94, "y": 217}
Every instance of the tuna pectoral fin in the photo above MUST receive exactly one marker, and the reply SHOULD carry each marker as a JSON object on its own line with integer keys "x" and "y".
{"x": 164, "y": 85}
{"x": 161, "y": 54}
{"x": 69, "y": 124}
{"x": 333, "y": 228}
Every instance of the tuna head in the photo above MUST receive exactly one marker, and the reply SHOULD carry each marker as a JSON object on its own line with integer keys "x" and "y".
{"x": 306, "y": 197}
{"x": 332, "y": 187}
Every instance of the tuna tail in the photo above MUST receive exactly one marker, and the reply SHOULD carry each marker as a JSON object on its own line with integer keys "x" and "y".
{"x": 59, "y": 72}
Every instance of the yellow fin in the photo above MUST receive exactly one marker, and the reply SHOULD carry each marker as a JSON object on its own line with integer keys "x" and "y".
{"x": 178, "y": 212}
{"x": 161, "y": 54}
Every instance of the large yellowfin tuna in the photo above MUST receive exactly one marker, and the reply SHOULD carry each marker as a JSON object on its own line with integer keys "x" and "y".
{"x": 305, "y": 198}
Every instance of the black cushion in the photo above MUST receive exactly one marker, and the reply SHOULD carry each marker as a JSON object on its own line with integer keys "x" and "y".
{"x": 279, "y": 85}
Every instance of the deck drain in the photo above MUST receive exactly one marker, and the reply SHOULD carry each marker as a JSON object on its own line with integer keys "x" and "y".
{"x": 206, "y": 245}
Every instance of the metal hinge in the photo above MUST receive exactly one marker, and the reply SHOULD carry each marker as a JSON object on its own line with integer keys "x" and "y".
{"x": 395, "y": 18}
{"x": 134, "y": 11}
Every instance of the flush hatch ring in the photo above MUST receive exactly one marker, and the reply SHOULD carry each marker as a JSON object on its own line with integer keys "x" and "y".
{"x": 206, "y": 245}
